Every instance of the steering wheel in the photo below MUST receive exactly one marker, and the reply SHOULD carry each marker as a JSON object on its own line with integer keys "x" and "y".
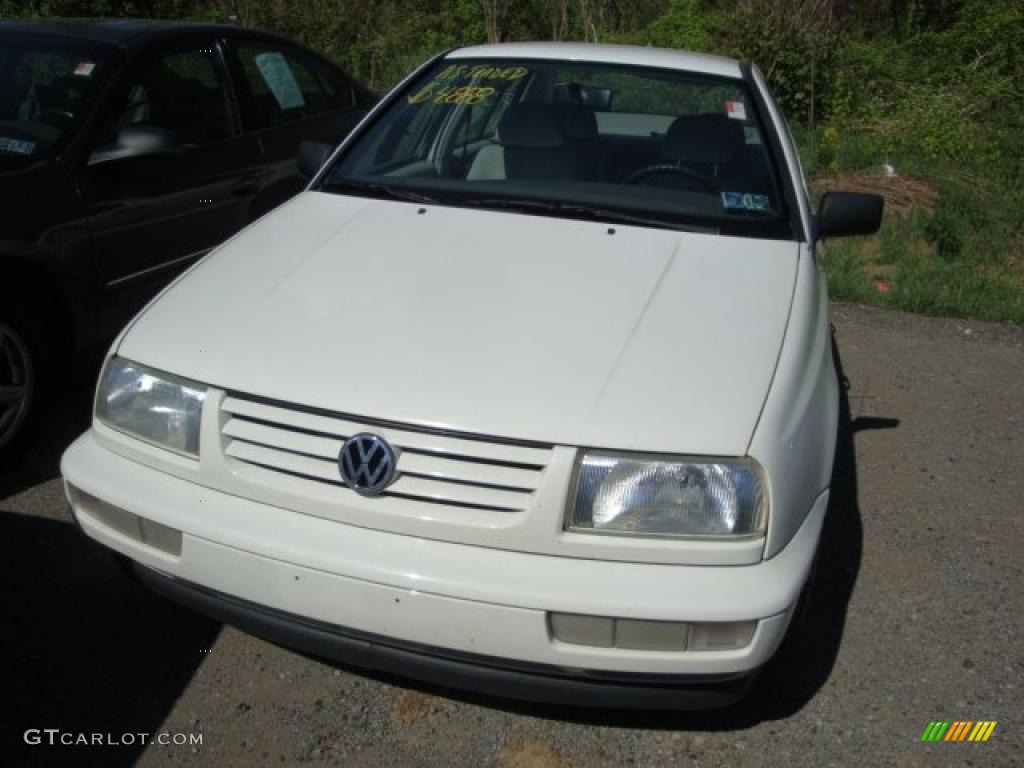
{"x": 637, "y": 176}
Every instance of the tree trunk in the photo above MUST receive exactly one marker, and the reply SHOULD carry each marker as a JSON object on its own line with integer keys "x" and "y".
{"x": 495, "y": 19}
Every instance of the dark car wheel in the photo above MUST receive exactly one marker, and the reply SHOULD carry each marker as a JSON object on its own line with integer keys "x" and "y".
{"x": 25, "y": 361}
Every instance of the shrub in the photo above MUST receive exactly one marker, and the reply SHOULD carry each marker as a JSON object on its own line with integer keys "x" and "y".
{"x": 684, "y": 26}
{"x": 794, "y": 44}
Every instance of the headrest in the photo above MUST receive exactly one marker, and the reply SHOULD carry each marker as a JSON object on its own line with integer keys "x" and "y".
{"x": 578, "y": 122}
{"x": 706, "y": 138}
{"x": 530, "y": 124}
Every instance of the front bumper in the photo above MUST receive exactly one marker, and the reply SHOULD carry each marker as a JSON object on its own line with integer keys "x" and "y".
{"x": 454, "y": 614}
{"x": 472, "y": 672}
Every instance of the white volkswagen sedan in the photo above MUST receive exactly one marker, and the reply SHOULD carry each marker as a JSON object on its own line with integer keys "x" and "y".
{"x": 530, "y": 392}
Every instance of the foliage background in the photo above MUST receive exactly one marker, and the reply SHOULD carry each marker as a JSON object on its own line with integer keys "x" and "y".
{"x": 933, "y": 89}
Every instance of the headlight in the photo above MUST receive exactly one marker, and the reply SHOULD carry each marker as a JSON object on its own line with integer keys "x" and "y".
{"x": 151, "y": 405}
{"x": 663, "y": 496}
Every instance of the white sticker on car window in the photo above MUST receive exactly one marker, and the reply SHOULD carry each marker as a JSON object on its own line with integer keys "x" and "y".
{"x": 736, "y": 110}
{"x": 280, "y": 80}
{"x": 17, "y": 146}
{"x": 85, "y": 68}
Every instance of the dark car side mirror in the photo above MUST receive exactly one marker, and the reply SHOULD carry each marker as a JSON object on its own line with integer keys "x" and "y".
{"x": 312, "y": 156}
{"x": 138, "y": 141}
{"x": 849, "y": 213}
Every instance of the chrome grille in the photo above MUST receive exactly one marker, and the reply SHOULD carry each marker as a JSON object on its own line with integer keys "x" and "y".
{"x": 434, "y": 467}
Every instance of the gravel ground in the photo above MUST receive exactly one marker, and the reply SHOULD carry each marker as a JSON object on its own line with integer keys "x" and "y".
{"x": 913, "y": 617}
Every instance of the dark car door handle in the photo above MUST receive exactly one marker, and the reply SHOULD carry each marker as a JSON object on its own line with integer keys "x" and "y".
{"x": 245, "y": 186}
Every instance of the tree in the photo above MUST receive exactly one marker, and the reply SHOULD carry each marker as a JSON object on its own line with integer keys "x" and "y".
{"x": 496, "y": 19}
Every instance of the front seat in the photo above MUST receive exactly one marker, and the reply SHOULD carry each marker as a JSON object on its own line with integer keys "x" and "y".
{"x": 704, "y": 144}
{"x": 531, "y": 146}
{"x": 580, "y": 126}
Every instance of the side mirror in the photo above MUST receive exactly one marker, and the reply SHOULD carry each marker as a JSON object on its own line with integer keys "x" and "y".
{"x": 849, "y": 213}
{"x": 138, "y": 141}
{"x": 312, "y": 156}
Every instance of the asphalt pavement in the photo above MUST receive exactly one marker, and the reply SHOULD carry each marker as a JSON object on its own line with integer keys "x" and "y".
{"x": 916, "y": 614}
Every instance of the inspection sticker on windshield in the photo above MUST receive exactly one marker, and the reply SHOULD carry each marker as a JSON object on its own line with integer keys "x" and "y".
{"x": 85, "y": 68}
{"x": 736, "y": 110}
{"x": 740, "y": 201}
{"x": 280, "y": 80}
{"x": 18, "y": 146}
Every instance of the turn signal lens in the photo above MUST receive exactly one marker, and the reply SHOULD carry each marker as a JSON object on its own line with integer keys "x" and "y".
{"x": 644, "y": 635}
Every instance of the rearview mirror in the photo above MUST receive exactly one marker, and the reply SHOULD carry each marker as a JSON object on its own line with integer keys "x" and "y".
{"x": 849, "y": 213}
{"x": 598, "y": 99}
{"x": 312, "y": 156}
{"x": 138, "y": 141}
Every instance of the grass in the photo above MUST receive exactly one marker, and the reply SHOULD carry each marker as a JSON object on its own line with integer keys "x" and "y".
{"x": 916, "y": 281}
{"x": 951, "y": 244}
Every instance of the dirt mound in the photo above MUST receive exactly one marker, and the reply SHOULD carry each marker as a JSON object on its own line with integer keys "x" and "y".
{"x": 901, "y": 193}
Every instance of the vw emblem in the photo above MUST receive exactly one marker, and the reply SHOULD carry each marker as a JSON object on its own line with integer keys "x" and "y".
{"x": 367, "y": 464}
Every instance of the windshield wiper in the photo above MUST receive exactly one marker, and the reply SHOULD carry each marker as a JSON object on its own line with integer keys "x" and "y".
{"x": 379, "y": 190}
{"x": 578, "y": 210}
{"x": 621, "y": 217}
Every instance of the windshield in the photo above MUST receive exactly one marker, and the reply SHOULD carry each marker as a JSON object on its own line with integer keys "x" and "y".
{"x": 611, "y": 142}
{"x": 46, "y": 86}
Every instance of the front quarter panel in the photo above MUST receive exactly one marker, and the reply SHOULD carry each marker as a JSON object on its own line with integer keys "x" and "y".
{"x": 795, "y": 437}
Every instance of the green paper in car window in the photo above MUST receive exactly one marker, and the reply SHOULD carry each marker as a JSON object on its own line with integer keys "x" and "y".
{"x": 280, "y": 80}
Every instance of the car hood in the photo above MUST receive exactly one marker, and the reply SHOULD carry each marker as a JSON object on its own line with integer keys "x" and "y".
{"x": 561, "y": 331}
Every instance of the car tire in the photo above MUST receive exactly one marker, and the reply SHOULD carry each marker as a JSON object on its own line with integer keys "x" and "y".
{"x": 26, "y": 367}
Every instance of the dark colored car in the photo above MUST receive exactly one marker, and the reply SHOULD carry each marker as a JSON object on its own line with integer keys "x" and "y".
{"x": 128, "y": 149}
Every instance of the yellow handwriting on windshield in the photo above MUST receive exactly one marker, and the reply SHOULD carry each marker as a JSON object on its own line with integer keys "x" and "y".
{"x": 459, "y": 84}
{"x": 439, "y": 93}
{"x": 481, "y": 72}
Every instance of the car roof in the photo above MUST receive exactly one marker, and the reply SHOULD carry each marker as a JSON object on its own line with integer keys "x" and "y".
{"x": 127, "y": 33}
{"x": 634, "y": 55}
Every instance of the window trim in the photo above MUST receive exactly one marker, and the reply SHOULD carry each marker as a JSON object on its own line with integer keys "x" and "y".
{"x": 232, "y": 87}
{"x": 777, "y": 153}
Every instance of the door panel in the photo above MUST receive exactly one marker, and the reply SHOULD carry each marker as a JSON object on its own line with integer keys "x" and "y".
{"x": 150, "y": 216}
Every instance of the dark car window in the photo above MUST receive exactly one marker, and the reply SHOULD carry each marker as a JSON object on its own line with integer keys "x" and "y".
{"x": 341, "y": 90}
{"x": 182, "y": 91}
{"x": 283, "y": 87}
{"x": 46, "y": 86}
